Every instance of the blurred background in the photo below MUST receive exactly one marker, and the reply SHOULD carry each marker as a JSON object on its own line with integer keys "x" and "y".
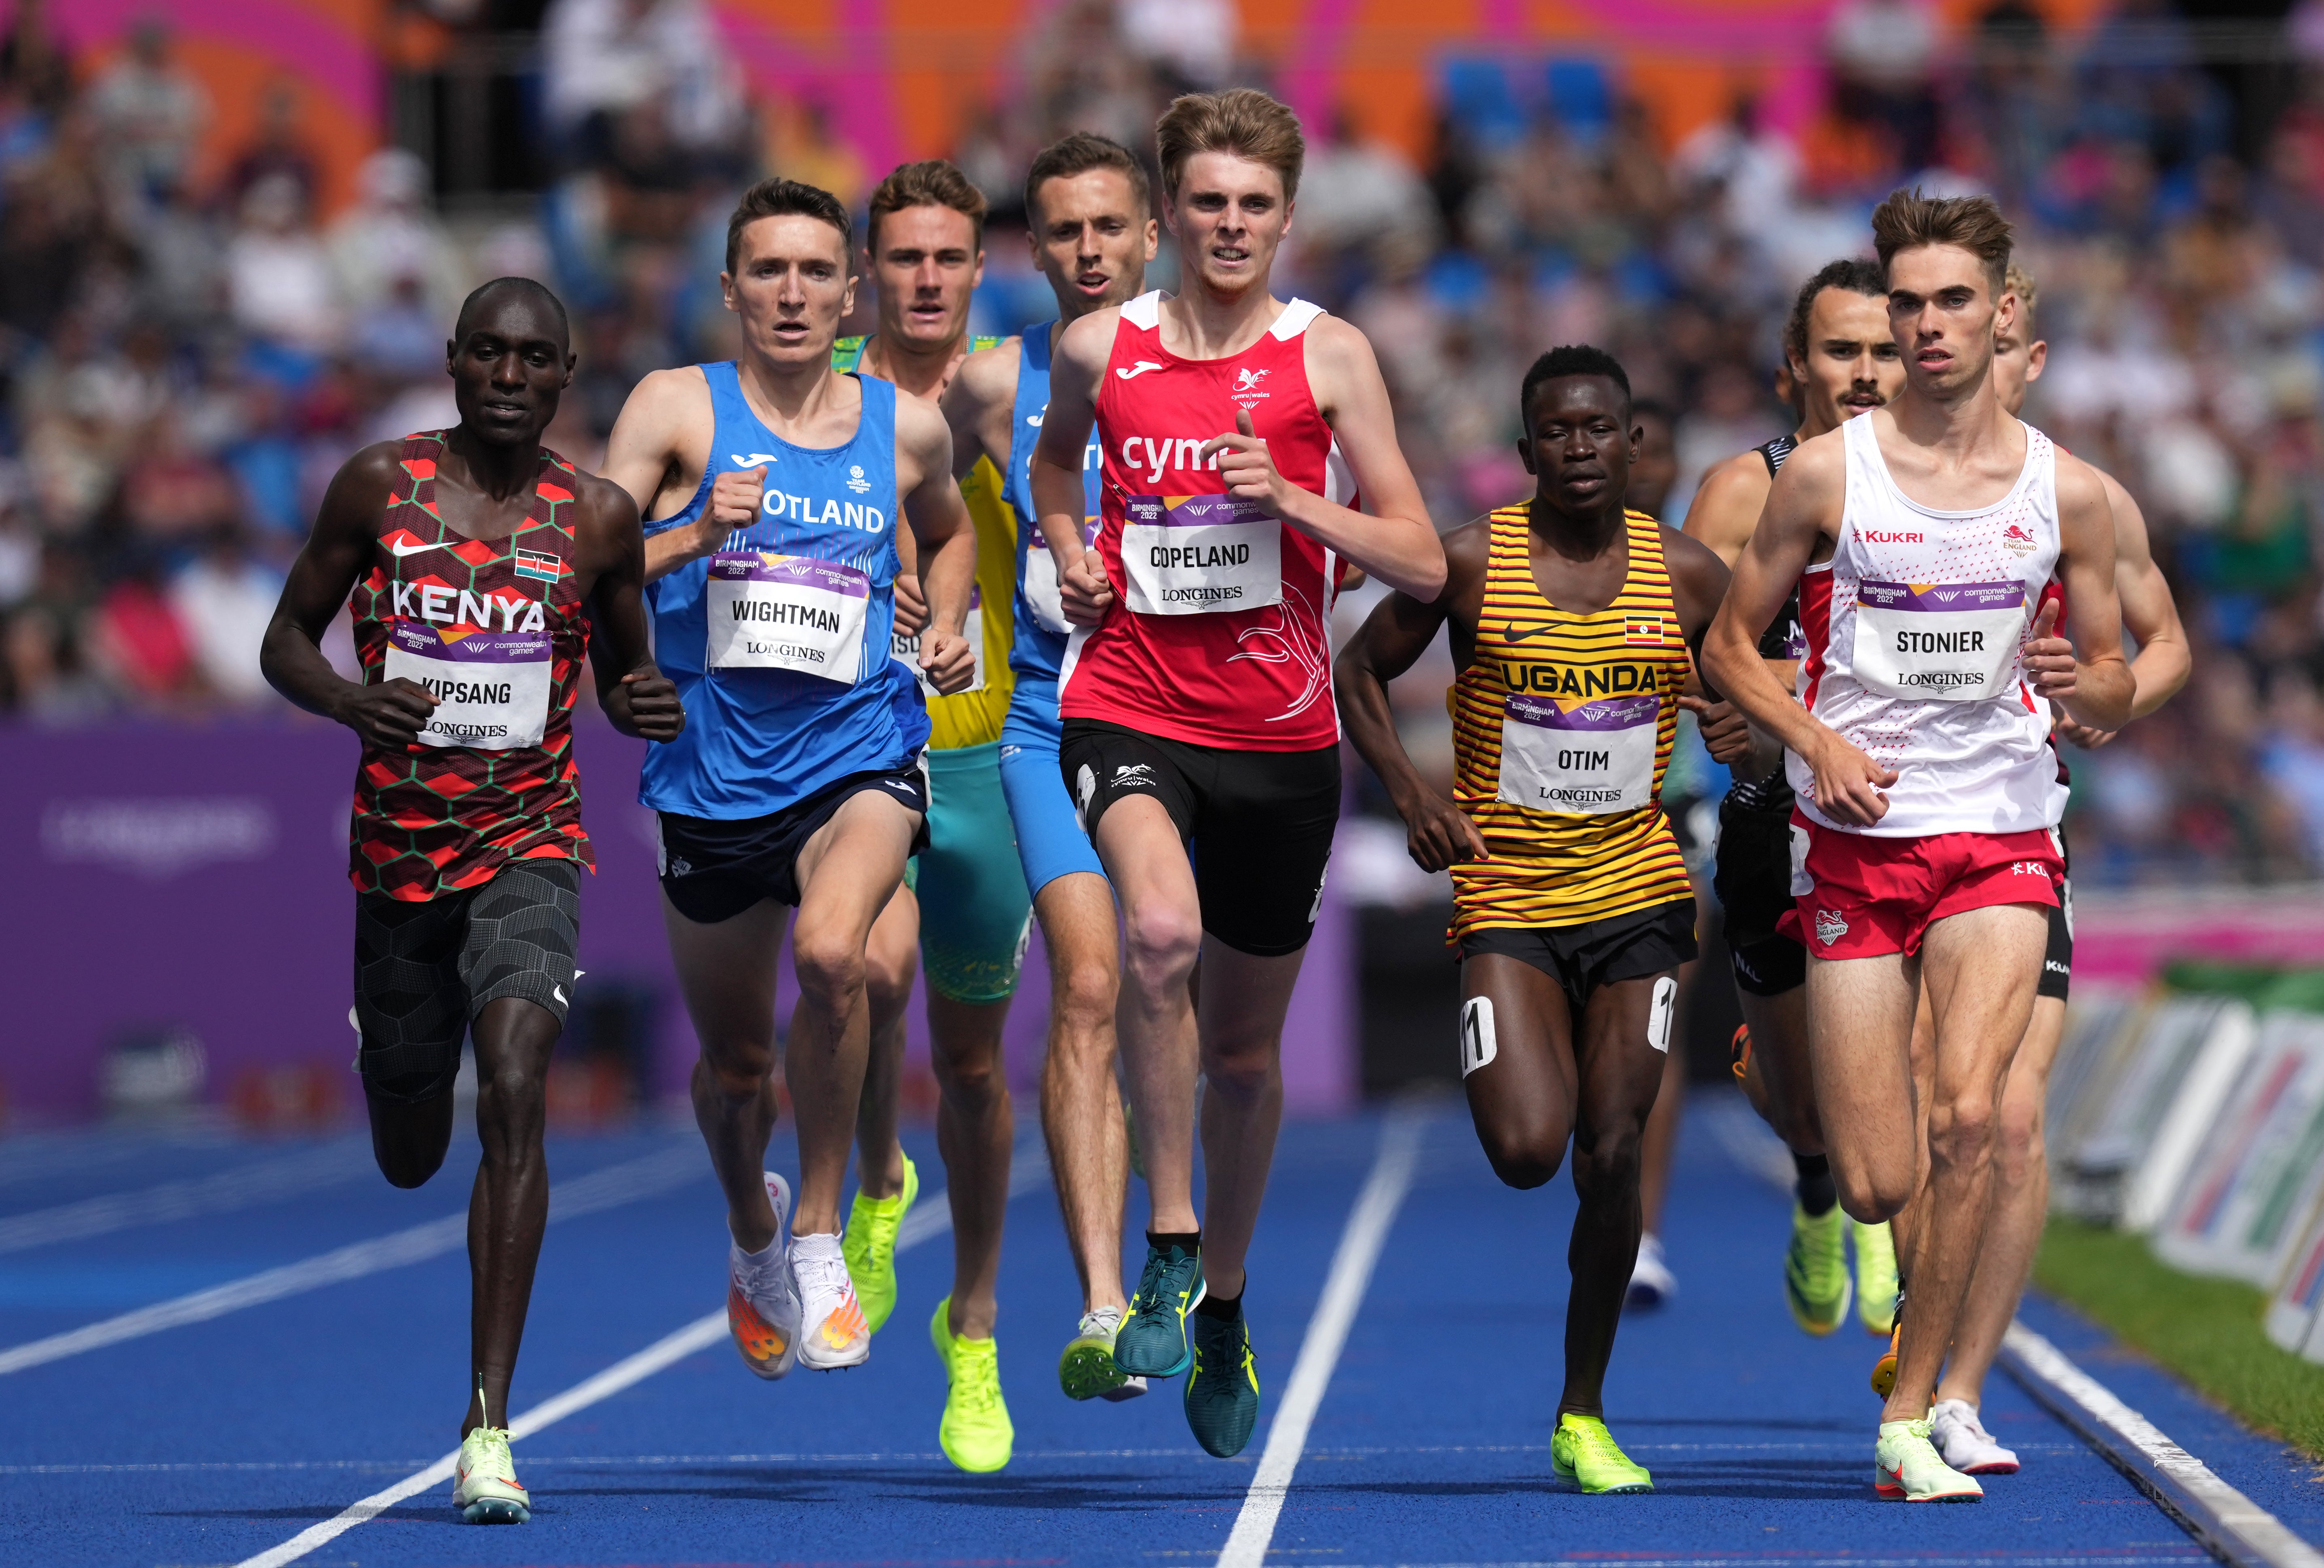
{"x": 233, "y": 233}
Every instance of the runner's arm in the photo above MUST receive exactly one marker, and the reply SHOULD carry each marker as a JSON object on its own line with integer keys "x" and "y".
{"x": 638, "y": 700}
{"x": 978, "y": 406}
{"x": 2149, "y": 614}
{"x": 341, "y": 549}
{"x": 1398, "y": 631}
{"x": 647, "y": 455}
{"x": 2098, "y": 687}
{"x": 944, "y": 536}
{"x": 1727, "y": 506}
{"x": 1698, "y": 583}
{"x": 1058, "y": 494}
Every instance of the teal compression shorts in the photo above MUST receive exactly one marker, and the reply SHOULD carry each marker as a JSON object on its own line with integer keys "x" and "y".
{"x": 975, "y": 913}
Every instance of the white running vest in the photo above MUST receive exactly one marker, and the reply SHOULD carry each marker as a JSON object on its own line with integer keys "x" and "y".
{"x": 1915, "y": 630}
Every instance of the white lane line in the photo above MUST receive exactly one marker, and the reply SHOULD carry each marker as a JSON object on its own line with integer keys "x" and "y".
{"x": 267, "y": 1181}
{"x": 1327, "y": 1331}
{"x": 2099, "y": 1559}
{"x": 1028, "y": 1169}
{"x": 604, "y": 1189}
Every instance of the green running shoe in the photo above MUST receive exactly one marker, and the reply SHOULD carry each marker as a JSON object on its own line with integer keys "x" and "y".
{"x": 1875, "y": 1277}
{"x": 1907, "y": 1468}
{"x": 869, "y": 1246}
{"x": 1815, "y": 1269}
{"x": 1223, "y": 1388}
{"x": 484, "y": 1488}
{"x": 1153, "y": 1342}
{"x": 1584, "y": 1450}
{"x": 1086, "y": 1370}
{"x": 975, "y": 1433}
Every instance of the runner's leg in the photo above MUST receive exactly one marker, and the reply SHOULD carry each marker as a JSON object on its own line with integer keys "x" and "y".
{"x": 1146, "y": 861}
{"x": 509, "y": 1208}
{"x": 975, "y": 1128}
{"x": 1619, "y": 1073}
{"x": 1080, "y": 1101}
{"x": 1241, "y": 1009}
{"x": 727, "y": 974}
{"x": 1661, "y": 1137}
{"x": 890, "y": 958}
{"x": 1860, "y": 1050}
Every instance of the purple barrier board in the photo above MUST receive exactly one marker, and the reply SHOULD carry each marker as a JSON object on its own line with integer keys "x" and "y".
{"x": 164, "y": 878}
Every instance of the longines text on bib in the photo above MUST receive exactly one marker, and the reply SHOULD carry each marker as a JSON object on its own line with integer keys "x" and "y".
{"x": 1949, "y": 642}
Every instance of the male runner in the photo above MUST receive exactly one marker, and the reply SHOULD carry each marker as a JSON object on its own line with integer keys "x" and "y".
{"x": 1842, "y": 361}
{"x": 2021, "y": 1177}
{"x": 1199, "y": 738}
{"x": 1087, "y": 206}
{"x": 478, "y": 562}
{"x": 1572, "y": 911}
{"x": 771, "y": 486}
{"x": 1925, "y": 532}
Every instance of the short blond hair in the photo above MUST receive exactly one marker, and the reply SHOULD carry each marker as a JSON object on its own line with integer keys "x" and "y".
{"x": 1242, "y": 121}
{"x": 2018, "y": 280}
{"x": 1908, "y": 220}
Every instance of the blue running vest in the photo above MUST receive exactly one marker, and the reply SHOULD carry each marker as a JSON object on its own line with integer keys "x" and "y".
{"x": 808, "y": 586}
{"x": 1040, "y": 643}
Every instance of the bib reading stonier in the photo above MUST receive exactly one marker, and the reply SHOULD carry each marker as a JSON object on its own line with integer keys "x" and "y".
{"x": 1217, "y": 636}
{"x": 494, "y": 629}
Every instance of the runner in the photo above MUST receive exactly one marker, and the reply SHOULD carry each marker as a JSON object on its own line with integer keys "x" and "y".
{"x": 771, "y": 487}
{"x": 2021, "y": 1177}
{"x": 1086, "y": 203}
{"x": 1925, "y": 532}
{"x": 1572, "y": 910}
{"x": 1840, "y": 362}
{"x": 476, "y": 564}
{"x": 1199, "y": 737}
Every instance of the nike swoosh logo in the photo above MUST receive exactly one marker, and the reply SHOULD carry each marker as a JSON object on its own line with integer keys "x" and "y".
{"x": 1131, "y": 372}
{"x": 411, "y": 549}
{"x": 1511, "y": 634}
{"x": 559, "y": 992}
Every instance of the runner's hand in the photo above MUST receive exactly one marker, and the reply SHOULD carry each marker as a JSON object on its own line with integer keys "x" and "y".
{"x": 735, "y": 498}
{"x": 390, "y": 715}
{"x": 1245, "y": 465}
{"x": 1436, "y": 834}
{"x": 2049, "y": 658}
{"x": 1725, "y": 730}
{"x": 1084, "y": 591}
{"x": 911, "y": 605}
{"x": 650, "y": 705}
{"x": 2082, "y": 734}
{"x": 949, "y": 662}
{"x": 1848, "y": 784}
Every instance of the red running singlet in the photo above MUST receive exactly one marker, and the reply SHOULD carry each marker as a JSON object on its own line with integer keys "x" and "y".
{"x": 1217, "y": 636}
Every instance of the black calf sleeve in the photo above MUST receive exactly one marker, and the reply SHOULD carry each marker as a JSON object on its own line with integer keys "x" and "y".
{"x": 1817, "y": 1191}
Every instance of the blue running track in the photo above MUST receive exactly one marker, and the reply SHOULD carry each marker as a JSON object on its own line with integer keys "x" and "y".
{"x": 211, "y": 1441}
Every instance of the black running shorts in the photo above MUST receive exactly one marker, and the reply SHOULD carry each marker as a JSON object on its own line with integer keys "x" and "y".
{"x": 1753, "y": 880}
{"x": 1257, "y": 824}
{"x": 1599, "y": 952}
{"x": 2058, "y": 961}
{"x": 423, "y": 970}
{"x": 712, "y": 870}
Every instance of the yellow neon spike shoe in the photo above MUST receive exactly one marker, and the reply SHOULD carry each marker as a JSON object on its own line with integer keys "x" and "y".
{"x": 1584, "y": 1450}
{"x": 1816, "y": 1285}
{"x": 1875, "y": 1277}
{"x": 484, "y": 1488}
{"x": 1907, "y": 1468}
{"x": 869, "y": 1245}
{"x": 975, "y": 1433}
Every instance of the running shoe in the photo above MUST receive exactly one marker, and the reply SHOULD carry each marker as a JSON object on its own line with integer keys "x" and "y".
{"x": 1964, "y": 1442}
{"x": 975, "y": 1433}
{"x": 1086, "y": 1370}
{"x": 762, "y": 1301}
{"x": 1884, "y": 1371}
{"x": 1152, "y": 1342}
{"x": 1875, "y": 1275}
{"x": 832, "y": 1331}
{"x": 1815, "y": 1269}
{"x": 1652, "y": 1283}
{"x": 869, "y": 1245}
{"x": 1906, "y": 1465}
{"x": 1584, "y": 1450}
{"x": 484, "y": 1488}
{"x": 1222, "y": 1386}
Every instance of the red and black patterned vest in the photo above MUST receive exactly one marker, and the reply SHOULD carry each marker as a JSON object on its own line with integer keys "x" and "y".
{"x": 432, "y": 819}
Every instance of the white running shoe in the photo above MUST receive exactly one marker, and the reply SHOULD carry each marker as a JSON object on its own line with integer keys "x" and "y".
{"x": 1652, "y": 1283}
{"x": 484, "y": 1486}
{"x": 833, "y": 1333}
{"x": 1967, "y": 1445}
{"x": 763, "y": 1299}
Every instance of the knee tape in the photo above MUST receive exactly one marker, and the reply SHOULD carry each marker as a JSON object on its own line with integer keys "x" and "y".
{"x": 1659, "y": 1012}
{"x": 1478, "y": 1047}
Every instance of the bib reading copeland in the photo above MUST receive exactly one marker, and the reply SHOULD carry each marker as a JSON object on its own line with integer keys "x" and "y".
{"x": 1595, "y": 760}
{"x": 1954, "y": 642}
{"x": 1198, "y": 555}
{"x": 491, "y": 687}
{"x": 787, "y": 612}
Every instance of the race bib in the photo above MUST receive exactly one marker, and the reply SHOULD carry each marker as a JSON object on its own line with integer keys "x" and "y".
{"x": 906, "y": 650}
{"x": 1954, "y": 642}
{"x": 1593, "y": 760}
{"x": 1200, "y": 554}
{"x": 491, "y": 687}
{"x": 1042, "y": 594}
{"x": 787, "y": 612}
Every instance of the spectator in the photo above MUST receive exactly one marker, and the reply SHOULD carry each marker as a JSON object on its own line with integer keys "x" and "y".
{"x": 389, "y": 244}
{"x": 280, "y": 147}
{"x": 279, "y": 278}
{"x": 223, "y": 599}
{"x": 34, "y": 66}
{"x": 149, "y": 113}
{"x": 605, "y": 57}
{"x": 139, "y": 641}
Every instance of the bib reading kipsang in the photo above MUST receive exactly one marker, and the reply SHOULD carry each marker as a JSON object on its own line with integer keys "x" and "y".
{"x": 1591, "y": 760}
{"x": 787, "y": 612}
{"x": 491, "y": 687}
{"x": 1200, "y": 555}
{"x": 1952, "y": 642}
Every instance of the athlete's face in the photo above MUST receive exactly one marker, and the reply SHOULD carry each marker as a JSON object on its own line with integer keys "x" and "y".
{"x": 1230, "y": 215}
{"x": 2016, "y": 364}
{"x": 508, "y": 367}
{"x": 1580, "y": 443}
{"x": 1092, "y": 239}
{"x": 1852, "y": 363}
{"x": 926, "y": 262}
{"x": 1942, "y": 313}
{"x": 791, "y": 287}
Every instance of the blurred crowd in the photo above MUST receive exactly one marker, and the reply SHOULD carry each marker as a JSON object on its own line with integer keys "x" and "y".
{"x": 189, "y": 347}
